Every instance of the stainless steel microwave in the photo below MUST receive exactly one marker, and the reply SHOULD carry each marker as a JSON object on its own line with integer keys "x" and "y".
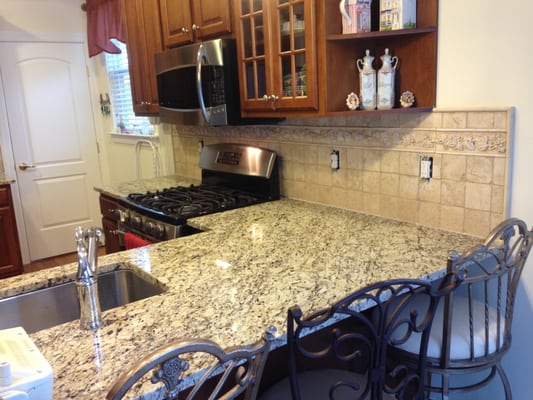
{"x": 198, "y": 84}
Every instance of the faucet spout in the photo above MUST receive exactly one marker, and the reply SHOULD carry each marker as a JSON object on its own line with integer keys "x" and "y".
{"x": 86, "y": 279}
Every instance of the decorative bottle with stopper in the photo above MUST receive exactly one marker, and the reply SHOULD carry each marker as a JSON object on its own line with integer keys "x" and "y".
{"x": 367, "y": 82}
{"x": 386, "y": 76}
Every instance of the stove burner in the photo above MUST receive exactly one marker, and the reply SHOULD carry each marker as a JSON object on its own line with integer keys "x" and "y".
{"x": 186, "y": 202}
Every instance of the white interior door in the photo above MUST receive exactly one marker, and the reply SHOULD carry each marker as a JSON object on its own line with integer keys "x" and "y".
{"x": 48, "y": 103}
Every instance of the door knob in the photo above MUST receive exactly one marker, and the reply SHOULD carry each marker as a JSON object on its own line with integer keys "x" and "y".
{"x": 23, "y": 166}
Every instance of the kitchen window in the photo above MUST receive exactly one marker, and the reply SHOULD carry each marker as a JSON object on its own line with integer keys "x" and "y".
{"x": 124, "y": 118}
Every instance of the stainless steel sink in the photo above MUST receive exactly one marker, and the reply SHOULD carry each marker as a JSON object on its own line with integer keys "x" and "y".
{"x": 58, "y": 304}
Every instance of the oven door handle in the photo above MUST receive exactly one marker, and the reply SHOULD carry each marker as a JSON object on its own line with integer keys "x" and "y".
{"x": 201, "y": 56}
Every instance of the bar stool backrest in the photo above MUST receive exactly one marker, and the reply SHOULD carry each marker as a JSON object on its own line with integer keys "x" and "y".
{"x": 227, "y": 374}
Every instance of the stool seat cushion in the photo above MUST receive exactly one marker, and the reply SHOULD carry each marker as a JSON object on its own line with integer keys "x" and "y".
{"x": 460, "y": 340}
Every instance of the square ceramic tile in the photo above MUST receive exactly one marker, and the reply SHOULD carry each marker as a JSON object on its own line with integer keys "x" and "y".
{"x": 479, "y": 169}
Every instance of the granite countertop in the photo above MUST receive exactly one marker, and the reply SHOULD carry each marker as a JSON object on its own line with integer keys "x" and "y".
{"x": 230, "y": 282}
{"x": 122, "y": 189}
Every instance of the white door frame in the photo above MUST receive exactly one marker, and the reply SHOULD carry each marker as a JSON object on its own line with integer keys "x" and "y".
{"x": 5, "y": 139}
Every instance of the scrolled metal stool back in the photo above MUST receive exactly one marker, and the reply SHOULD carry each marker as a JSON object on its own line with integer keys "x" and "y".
{"x": 224, "y": 373}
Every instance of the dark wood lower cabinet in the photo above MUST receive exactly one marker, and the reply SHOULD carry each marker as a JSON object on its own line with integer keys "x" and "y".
{"x": 108, "y": 208}
{"x": 10, "y": 257}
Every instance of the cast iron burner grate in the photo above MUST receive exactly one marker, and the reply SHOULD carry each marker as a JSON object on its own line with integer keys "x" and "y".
{"x": 187, "y": 202}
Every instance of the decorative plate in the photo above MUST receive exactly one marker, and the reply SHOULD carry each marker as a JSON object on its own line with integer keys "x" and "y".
{"x": 352, "y": 101}
{"x": 407, "y": 99}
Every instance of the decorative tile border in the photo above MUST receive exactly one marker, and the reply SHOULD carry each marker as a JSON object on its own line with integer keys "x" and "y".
{"x": 474, "y": 131}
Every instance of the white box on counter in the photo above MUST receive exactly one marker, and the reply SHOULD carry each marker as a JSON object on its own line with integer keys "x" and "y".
{"x": 397, "y": 14}
{"x": 24, "y": 372}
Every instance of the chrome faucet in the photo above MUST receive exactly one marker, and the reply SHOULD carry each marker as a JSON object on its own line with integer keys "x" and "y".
{"x": 86, "y": 279}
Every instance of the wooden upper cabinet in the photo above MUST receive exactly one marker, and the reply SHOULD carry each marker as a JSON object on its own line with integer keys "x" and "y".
{"x": 144, "y": 39}
{"x": 176, "y": 22}
{"x": 184, "y": 21}
{"x": 277, "y": 56}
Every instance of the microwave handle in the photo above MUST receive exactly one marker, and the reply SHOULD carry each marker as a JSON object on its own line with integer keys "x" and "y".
{"x": 201, "y": 54}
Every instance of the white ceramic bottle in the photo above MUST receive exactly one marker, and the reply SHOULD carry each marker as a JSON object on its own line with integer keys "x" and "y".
{"x": 367, "y": 82}
{"x": 386, "y": 75}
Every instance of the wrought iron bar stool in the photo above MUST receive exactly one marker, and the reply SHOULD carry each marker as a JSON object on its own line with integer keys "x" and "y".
{"x": 472, "y": 328}
{"x": 341, "y": 352}
{"x": 228, "y": 374}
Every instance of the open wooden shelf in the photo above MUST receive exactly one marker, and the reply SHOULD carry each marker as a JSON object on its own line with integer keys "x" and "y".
{"x": 415, "y": 48}
{"x": 381, "y": 34}
{"x": 349, "y": 113}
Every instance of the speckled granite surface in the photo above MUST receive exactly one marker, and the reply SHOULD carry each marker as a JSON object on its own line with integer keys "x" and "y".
{"x": 123, "y": 189}
{"x": 232, "y": 281}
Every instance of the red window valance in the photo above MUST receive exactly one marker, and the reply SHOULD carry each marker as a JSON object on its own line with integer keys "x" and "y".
{"x": 104, "y": 22}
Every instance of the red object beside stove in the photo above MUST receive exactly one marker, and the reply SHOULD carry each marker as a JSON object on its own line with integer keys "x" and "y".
{"x": 132, "y": 241}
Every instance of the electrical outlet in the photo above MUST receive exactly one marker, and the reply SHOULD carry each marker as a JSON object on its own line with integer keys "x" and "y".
{"x": 426, "y": 168}
{"x": 335, "y": 160}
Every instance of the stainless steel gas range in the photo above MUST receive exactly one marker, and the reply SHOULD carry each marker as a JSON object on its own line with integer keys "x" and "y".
{"x": 233, "y": 176}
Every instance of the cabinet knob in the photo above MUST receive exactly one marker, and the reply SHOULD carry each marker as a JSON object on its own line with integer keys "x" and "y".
{"x": 184, "y": 30}
{"x": 271, "y": 98}
{"x": 195, "y": 27}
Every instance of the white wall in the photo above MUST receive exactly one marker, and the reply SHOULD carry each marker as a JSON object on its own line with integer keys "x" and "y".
{"x": 485, "y": 59}
{"x": 35, "y": 16}
{"x": 53, "y": 20}
{"x": 120, "y": 154}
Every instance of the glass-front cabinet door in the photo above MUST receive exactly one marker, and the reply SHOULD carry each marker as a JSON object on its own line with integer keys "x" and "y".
{"x": 277, "y": 59}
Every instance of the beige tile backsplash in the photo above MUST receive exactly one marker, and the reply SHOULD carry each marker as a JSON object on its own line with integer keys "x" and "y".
{"x": 380, "y": 161}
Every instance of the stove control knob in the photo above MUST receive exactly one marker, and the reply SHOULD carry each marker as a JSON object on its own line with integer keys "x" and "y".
{"x": 136, "y": 221}
{"x": 159, "y": 231}
{"x": 124, "y": 216}
{"x": 155, "y": 229}
{"x": 149, "y": 227}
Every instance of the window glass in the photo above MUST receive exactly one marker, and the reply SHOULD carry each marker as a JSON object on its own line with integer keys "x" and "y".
{"x": 124, "y": 118}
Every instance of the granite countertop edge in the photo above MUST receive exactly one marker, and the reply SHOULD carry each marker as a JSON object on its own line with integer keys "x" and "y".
{"x": 122, "y": 189}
